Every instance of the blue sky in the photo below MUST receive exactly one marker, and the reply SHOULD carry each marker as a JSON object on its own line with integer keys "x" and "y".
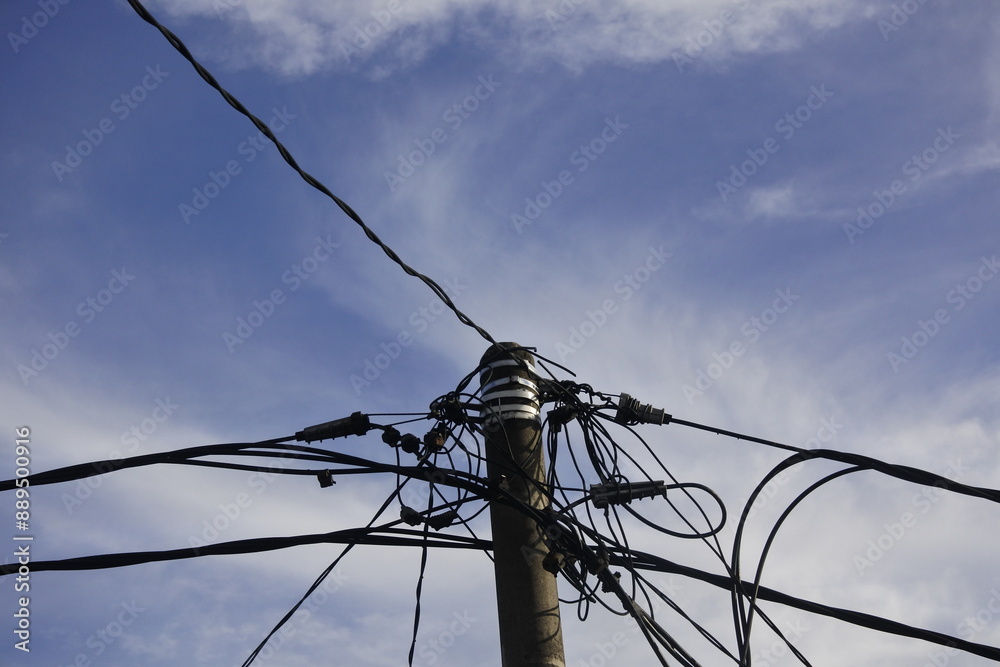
{"x": 774, "y": 217}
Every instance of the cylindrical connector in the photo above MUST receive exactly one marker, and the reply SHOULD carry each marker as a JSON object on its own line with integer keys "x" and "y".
{"x": 356, "y": 424}
{"x": 618, "y": 494}
{"x": 631, "y": 412}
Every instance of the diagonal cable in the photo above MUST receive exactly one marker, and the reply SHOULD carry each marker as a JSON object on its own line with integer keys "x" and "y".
{"x": 308, "y": 178}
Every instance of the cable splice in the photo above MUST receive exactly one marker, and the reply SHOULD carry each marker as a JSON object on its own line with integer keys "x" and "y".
{"x": 622, "y": 494}
{"x": 356, "y": 424}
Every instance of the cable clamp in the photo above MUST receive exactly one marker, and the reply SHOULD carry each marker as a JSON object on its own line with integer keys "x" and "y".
{"x": 510, "y": 379}
{"x": 531, "y": 396}
{"x": 492, "y": 416}
{"x": 523, "y": 364}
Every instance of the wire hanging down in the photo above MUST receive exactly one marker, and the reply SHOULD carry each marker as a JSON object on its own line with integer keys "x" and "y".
{"x": 597, "y": 490}
{"x": 604, "y": 499}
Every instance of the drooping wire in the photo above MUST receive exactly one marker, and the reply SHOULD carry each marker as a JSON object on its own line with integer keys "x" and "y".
{"x": 378, "y": 536}
{"x": 581, "y": 538}
{"x": 683, "y": 614}
{"x": 420, "y": 584}
{"x": 752, "y": 598}
{"x": 319, "y": 580}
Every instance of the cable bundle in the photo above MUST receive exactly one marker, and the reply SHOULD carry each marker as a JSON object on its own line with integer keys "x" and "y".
{"x": 595, "y": 492}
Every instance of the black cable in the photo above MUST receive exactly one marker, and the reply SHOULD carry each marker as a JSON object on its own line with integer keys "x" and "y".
{"x": 611, "y": 584}
{"x": 284, "y": 619}
{"x": 326, "y": 572}
{"x": 683, "y": 614}
{"x": 373, "y": 537}
{"x": 766, "y": 549}
{"x": 734, "y": 434}
{"x": 667, "y": 641}
{"x": 642, "y": 560}
{"x": 903, "y": 472}
{"x": 647, "y": 561}
{"x": 308, "y": 178}
{"x": 94, "y": 468}
{"x": 717, "y": 549}
{"x": 420, "y": 585}
{"x": 455, "y": 478}
{"x": 859, "y": 462}
{"x": 316, "y": 583}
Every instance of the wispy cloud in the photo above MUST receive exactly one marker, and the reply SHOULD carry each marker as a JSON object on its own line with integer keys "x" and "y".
{"x": 297, "y": 38}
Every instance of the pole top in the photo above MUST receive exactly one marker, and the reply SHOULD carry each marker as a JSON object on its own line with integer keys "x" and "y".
{"x": 507, "y": 350}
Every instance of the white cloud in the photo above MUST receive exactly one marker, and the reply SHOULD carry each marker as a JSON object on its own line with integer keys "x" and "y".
{"x": 295, "y": 37}
{"x": 771, "y": 202}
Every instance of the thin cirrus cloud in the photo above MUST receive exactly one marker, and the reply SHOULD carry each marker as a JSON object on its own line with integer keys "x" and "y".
{"x": 700, "y": 87}
{"x": 300, "y": 38}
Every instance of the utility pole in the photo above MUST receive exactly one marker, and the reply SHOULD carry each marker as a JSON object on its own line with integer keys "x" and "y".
{"x": 527, "y": 599}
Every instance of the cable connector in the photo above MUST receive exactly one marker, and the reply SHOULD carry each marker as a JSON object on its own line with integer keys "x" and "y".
{"x": 553, "y": 562}
{"x": 410, "y": 443}
{"x": 599, "y": 562}
{"x": 356, "y": 424}
{"x": 434, "y": 439}
{"x": 326, "y": 479}
{"x": 410, "y": 516}
{"x": 606, "y": 586}
{"x": 502, "y": 483}
{"x": 631, "y": 412}
{"x": 442, "y": 520}
{"x": 390, "y": 436}
{"x": 449, "y": 408}
{"x": 560, "y": 416}
{"x": 618, "y": 494}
